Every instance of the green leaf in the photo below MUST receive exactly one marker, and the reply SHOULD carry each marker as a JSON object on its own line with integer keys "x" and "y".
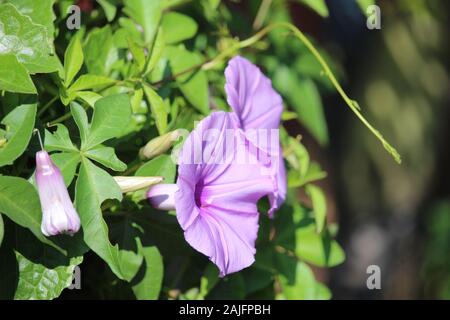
{"x": 2, "y": 230}
{"x": 364, "y": 4}
{"x": 137, "y": 53}
{"x": 147, "y": 284}
{"x": 107, "y": 157}
{"x": 193, "y": 85}
{"x": 147, "y": 14}
{"x": 319, "y": 205}
{"x": 34, "y": 271}
{"x": 19, "y": 201}
{"x": 130, "y": 234}
{"x": 318, "y": 249}
{"x": 14, "y": 76}
{"x": 110, "y": 119}
{"x": 89, "y": 97}
{"x": 299, "y": 157}
{"x": 110, "y": 9}
{"x": 37, "y": 282}
{"x": 81, "y": 120}
{"x": 157, "y": 108}
{"x": 161, "y": 166}
{"x": 157, "y": 50}
{"x": 319, "y": 6}
{"x": 313, "y": 173}
{"x": 93, "y": 187}
{"x": 178, "y": 27}
{"x": 67, "y": 163}
{"x": 230, "y": 287}
{"x": 304, "y": 98}
{"x": 19, "y": 127}
{"x": 73, "y": 60}
{"x": 304, "y": 287}
{"x": 91, "y": 81}
{"x": 60, "y": 140}
{"x": 310, "y": 110}
{"x": 99, "y": 51}
{"x": 26, "y": 40}
{"x": 40, "y": 12}
{"x": 209, "y": 280}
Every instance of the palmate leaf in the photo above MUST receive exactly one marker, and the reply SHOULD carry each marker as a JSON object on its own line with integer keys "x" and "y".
{"x": 93, "y": 187}
{"x": 107, "y": 157}
{"x": 59, "y": 140}
{"x": 26, "y": 40}
{"x": 67, "y": 163}
{"x": 19, "y": 126}
{"x": 111, "y": 116}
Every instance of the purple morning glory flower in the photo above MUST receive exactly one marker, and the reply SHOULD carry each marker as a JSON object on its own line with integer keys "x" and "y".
{"x": 59, "y": 215}
{"x": 258, "y": 107}
{"x": 220, "y": 181}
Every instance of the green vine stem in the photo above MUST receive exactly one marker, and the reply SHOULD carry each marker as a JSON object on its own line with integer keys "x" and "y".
{"x": 299, "y": 35}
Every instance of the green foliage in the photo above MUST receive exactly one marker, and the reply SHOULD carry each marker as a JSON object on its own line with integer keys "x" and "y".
{"x": 19, "y": 125}
{"x": 136, "y": 70}
{"x": 27, "y": 41}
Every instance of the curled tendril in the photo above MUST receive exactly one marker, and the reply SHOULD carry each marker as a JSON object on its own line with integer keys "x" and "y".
{"x": 354, "y": 106}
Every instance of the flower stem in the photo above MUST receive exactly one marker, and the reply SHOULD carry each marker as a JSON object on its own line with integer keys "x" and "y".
{"x": 47, "y": 105}
{"x": 39, "y": 137}
{"x": 58, "y": 120}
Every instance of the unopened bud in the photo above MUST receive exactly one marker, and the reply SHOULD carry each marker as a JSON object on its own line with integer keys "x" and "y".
{"x": 159, "y": 145}
{"x": 128, "y": 184}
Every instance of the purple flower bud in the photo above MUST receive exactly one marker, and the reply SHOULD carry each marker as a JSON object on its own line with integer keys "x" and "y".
{"x": 162, "y": 196}
{"x": 58, "y": 214}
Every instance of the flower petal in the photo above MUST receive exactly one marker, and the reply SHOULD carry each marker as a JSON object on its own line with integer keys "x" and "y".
{"x": 251, "y": 96}
{"x": 216, "y": 201}
{"x": 59, "y": 215}
{"x": 226, "y": 237}
{"x": 258, "y": 107}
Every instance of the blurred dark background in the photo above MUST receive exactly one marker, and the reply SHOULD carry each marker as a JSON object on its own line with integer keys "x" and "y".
{"x": 393, "y": 216}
